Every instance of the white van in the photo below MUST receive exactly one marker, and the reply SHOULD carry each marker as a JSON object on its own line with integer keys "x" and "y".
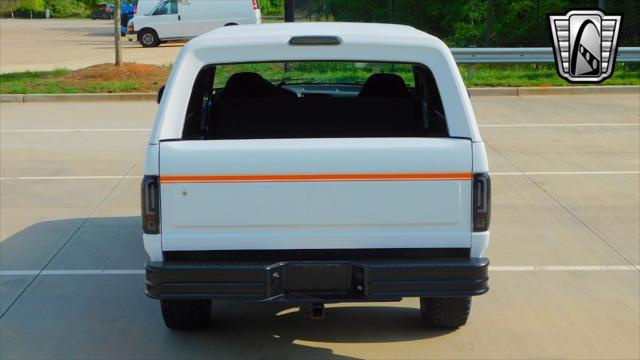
{"x": 144, "y": 7}
{"x": 180, "y": 19}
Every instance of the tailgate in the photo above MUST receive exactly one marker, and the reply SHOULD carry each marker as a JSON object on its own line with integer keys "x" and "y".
{"x": 315, "y": 193}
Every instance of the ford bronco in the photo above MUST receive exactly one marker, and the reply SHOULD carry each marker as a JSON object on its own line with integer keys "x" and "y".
{"x": 311, "y": 164}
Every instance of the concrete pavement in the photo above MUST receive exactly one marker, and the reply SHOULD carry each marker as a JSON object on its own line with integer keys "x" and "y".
{"x": 64, "y": 43}
{"x": 566, "y": 192}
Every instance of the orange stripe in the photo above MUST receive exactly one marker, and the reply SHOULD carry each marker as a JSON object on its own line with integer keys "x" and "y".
{"x": 313, "y": 178}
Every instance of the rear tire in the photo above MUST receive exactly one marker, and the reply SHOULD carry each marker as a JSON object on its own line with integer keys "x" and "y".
{"x": 447, "y": 313}
{"x": 148, "y": 38}
{"x": 185, "y": 314}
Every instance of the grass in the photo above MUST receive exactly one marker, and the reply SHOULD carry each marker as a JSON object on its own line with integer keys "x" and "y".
{"x": 147, "y": 78}
{"x": 52, "y": 82}
{"x": 486, "y": 75}
{"x": 94, "y": 79}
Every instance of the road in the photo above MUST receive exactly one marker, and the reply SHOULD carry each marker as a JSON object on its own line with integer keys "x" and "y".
{"x": 565, "y": 246}
{"x": 49, "y": 44}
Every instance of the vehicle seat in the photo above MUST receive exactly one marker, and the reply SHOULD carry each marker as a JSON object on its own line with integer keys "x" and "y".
{"x": 384, "y": 85}
{"x": 252, "y": 85}
{"x": 246, "y": 85}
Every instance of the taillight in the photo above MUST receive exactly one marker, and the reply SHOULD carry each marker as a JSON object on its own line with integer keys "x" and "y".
{"x": 255, "y": 4}
{"x": 151, "y": 204}
{"x": 481, "y": 201}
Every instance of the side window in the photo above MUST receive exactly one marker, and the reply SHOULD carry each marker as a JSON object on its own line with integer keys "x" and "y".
{"x": 200, "y": 105}
{"x": 169, "y": 7}
{"x": 433, "y": 116}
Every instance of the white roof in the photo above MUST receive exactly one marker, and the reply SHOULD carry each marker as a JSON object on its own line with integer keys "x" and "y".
{"x": 349, "y": 33}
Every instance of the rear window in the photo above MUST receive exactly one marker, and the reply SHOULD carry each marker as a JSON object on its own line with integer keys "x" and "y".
{"x": 317, "y": 72}
{"x": 314, "y": 99}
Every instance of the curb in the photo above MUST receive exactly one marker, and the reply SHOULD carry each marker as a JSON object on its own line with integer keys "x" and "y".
{"x": 5, "y": 98}
{"x": 497, "y": 91}
{"x": 556, "y": 90}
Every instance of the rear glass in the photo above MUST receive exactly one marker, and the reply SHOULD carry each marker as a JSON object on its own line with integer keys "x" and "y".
{"x": 315, "y": 72}
{"x": 314, "y": 99}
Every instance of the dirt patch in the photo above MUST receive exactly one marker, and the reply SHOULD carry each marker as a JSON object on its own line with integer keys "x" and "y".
{"x": 139, "y": 77}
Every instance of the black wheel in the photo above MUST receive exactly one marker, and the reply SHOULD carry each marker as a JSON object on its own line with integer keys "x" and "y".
{"x": 449, "y": 313}
{"x": 185, "y": 314}
{"x": 148, "y": 38}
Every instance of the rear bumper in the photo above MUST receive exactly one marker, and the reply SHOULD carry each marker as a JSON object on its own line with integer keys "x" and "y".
{"x": 317, "y": 281}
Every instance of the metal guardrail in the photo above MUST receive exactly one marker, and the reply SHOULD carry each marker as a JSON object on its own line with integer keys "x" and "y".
{"x": 525, "y": 55}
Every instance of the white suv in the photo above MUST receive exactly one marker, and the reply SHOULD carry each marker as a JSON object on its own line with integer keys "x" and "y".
{"x": 315, "y": 163}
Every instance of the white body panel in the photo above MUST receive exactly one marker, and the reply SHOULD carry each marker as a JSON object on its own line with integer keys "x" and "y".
{"x": 143, "y": 7}
{"x": 337, "y": 213}
{"x": 209, "y": 215}
{"x": 197, "y": 17}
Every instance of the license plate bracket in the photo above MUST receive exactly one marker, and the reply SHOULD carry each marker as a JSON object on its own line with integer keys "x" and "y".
{"x": 310, "y": 277}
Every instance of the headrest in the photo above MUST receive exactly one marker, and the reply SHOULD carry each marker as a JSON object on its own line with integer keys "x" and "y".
{"x": 384, "y": 85}
{"x": 246, "y": 85}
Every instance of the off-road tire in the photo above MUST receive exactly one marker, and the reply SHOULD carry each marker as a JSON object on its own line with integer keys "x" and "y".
{"x": 185, "y": 314}
{"x": 448, "y": 313}
{"x": 148, "y": 38}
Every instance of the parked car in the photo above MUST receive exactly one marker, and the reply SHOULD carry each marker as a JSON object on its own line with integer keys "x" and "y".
{"x": 363, "y": 179}
{"x": 173, "y": 19}
{"x": 103, "y": 11}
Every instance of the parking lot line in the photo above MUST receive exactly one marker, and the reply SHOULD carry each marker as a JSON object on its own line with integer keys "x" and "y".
{"x": 513, "y": 173}
{"x": 558, "y": 125}
{"x": 149, "y": 129}
{"x": 70, "y": 130}
{"x": 106, "y": 177}
{"x": 525, "y": 173}
{"x": 507, "y": 268}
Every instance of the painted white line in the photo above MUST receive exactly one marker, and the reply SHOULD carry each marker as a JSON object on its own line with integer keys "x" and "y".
{"x": 566, "y": 268}
{"x": 71, "y": 272}
{"x": 67, "y": 130}
{"x": 72, "y": 177}
{"x": 498, "y": 268}
{"x": 556, "y": 125}
{"x": 517, "y": 173}
{"x": 115, "y": 177}
{"x": 18, "y": 272}
{"x": 149, "y": 129}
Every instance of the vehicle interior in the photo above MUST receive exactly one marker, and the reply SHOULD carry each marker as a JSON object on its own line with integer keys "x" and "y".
{"x": 240, "y": 102}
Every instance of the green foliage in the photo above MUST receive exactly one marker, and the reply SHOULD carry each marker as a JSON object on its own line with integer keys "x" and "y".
{"x": 67, "y": 9}
{"x": 272, "y": 7}
{"x": 479, "y": 23}
{"x": 28, "y": 7}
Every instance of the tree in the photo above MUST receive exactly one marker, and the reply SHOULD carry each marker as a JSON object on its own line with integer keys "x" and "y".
{"x": 116, "y": 32}
{"x": 31, "y": 6}
{"x": 289, "y": 10}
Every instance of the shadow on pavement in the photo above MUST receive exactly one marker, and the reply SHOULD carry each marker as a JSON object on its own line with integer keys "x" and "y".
{"x": 110, "y": 317}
